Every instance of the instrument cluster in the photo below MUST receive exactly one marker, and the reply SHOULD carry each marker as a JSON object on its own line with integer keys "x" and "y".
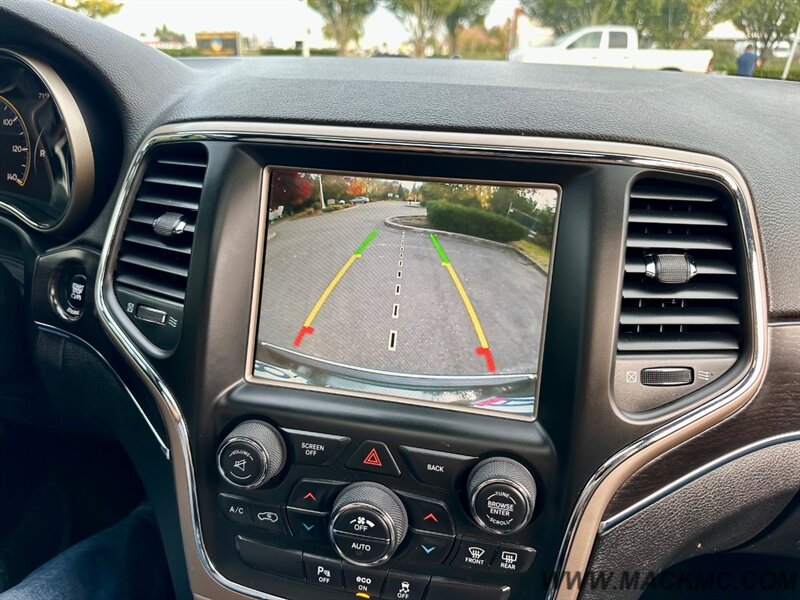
{"x": 46, "y": 162}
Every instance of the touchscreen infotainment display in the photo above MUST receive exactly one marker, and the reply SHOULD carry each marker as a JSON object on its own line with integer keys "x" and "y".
{"x": 420, "y": 291}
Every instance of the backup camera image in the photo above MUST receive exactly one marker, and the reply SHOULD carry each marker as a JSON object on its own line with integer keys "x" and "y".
{"x": 429, "y": 291}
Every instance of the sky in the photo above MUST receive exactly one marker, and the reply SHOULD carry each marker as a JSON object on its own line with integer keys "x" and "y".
{"x": 282, "y": 21}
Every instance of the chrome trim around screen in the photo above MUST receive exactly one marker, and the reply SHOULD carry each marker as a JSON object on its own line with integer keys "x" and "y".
{"x": 586, "y": 517}
{"x": 261, "y": 254}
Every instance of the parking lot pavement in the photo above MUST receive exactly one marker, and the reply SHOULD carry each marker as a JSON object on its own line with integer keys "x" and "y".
{"x": 391, "y": 304}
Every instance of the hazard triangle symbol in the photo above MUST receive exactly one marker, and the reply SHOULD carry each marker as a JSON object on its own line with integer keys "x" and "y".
{"x": 373, "y": 459}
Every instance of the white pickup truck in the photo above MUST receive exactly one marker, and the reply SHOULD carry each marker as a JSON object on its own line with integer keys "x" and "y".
{"x": 612, "y": 46}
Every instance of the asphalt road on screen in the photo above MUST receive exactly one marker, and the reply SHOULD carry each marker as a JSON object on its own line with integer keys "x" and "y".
{"x": 393, "y": 306}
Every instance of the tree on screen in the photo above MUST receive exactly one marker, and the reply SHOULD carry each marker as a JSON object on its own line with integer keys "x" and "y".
{"x": 357, "y": 186}
{"x": 506, "y": 198}
{"x": 290, "y": 188}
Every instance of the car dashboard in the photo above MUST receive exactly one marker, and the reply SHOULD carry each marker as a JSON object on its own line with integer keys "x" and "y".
{"x": 349, "y": 401}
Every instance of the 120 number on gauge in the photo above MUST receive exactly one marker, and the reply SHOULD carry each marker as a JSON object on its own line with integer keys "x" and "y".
{"x": 15, "y": 152}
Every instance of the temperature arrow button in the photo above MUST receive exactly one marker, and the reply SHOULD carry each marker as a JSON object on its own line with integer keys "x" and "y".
{"x": 425, "y": 514}
{"x": 314, "y": 494}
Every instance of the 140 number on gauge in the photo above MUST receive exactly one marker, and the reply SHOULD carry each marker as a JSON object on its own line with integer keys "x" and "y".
{"x": 15, "y": 147}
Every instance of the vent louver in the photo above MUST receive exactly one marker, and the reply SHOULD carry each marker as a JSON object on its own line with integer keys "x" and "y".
{"x": 681, "y": 288}
{"x": 157, "y": 242}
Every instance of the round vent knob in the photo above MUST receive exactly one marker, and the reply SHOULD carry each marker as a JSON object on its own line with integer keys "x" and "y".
{"x": 251, "y": 454}
{"x": 502, "y": 494}
{"x": 368, "y": 523}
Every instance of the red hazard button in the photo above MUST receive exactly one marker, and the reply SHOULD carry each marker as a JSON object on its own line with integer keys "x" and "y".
{"x": 373, "y": 457}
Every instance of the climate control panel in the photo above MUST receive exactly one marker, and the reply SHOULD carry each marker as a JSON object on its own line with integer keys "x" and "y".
{"x": 382, "y": 520}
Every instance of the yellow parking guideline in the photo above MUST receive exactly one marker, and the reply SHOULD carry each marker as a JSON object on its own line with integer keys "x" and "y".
{"x": 473, "y": 316}
{"x": 329, "y": 289}
{"x": 335, "y": 281}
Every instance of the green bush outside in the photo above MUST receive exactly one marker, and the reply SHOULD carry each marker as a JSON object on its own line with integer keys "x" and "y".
{"x": 771, "y": 72}
{"x": 181, "y": 52}
{"x": 473, "y": 221}
{"x": 295, "y": 52}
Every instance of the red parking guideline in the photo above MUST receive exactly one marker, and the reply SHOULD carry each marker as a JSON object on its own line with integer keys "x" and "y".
{"x": 303, "y": 331}
{"x": 487, "y": 354}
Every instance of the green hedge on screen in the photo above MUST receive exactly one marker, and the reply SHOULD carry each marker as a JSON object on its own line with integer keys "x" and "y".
{"x": 473, "y": 221}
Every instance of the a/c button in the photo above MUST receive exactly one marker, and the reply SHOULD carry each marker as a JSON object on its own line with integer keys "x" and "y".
{"x": 441, "y": 469}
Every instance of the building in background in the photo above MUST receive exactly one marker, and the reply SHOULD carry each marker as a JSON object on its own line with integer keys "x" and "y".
{"x": 219, "y": 43}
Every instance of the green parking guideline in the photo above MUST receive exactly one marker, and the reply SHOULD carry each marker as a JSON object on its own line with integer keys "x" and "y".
{"x": 366, "y": 242}
{"x": 440, "y": 250}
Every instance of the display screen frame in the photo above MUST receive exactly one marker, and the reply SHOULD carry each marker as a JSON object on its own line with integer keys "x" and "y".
{"x": 260, "y": 265}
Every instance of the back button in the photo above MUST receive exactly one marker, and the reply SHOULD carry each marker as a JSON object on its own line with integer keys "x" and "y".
{"x": 441, "y": 469}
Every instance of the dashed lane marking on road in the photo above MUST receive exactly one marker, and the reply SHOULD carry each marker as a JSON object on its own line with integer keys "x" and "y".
{"x": 397, "y": 290}
{"x": 399, "y": 274}
{"x": 399, "y": 263}
{"x": 395, "y": 311}
{"x": 393, "y": 340}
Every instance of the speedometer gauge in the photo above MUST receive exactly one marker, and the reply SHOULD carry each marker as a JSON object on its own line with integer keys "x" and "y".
{"x": 46, "y": 162}
{"x": 15, "y": 145}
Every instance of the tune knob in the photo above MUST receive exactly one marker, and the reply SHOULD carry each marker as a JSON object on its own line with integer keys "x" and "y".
{"x": 251, "y": 454}
{"x": 502, "y": 494}
{"x": 368, "y": 523}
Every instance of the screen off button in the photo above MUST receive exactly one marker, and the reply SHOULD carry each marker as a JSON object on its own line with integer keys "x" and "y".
{"x": 441, "y": 469}
{"x": 310, "y": 448}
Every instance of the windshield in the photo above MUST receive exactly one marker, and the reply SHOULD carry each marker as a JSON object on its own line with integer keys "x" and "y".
{"x": 749, "y": 38}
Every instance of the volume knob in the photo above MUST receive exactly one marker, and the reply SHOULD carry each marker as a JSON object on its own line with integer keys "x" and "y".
{"x": 251, "y": 454}
{"x": 502, "y": 494}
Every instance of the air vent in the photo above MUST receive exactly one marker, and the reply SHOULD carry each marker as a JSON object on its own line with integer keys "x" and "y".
{"x": 157, "y": 242}
{"x": 681, "y": 291}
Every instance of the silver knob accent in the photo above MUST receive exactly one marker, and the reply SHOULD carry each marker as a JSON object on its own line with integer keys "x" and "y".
{"x": 502, "y": 495}
{"x": 670, "y": 268}
{"x": 169, "y": 224}
{"x": 368, "y": 523}
{"x": 252, "y": 454}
